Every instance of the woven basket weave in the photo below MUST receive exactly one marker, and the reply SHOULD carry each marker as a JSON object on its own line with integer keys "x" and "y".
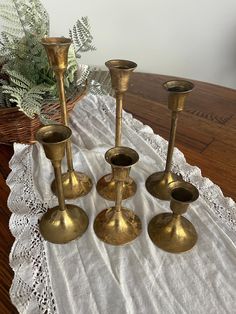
{"x": 15, "y": 126}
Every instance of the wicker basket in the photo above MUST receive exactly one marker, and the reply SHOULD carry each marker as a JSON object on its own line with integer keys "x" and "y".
{"x": 15, "y": 126}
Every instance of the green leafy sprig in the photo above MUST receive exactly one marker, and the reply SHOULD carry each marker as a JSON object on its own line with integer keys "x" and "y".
{"x": 26, "y": 79}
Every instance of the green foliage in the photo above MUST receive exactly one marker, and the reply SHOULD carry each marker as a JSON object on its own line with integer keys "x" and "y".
{"x": 81, "y": 36}
{"x": 23, "y": 22}
{"x": 27, "y": 96}
{"x": 4, "y": 103}
{"x": 30, "y": 78}
{"x": 25, "y": 61}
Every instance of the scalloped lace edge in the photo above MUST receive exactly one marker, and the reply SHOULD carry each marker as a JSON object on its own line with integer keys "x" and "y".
{"x": 31, "y": 290}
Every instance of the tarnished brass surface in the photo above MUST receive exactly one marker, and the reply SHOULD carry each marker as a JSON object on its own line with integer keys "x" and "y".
{"x": 57, "y": 52}
{"x": 60, "y": 227}
{"x": 106, "y": 187}
{"x": 53, "y": 138}
{"x": 75, "y": 184}
{"x": 62, "y": 223}
{"x": 117, "y": 228}
{"x": 181, "y": 195}
{"x": 172, "y": 232}
{"x": 120, "y": 71}
{"x": 157, "y": 183}
{"x": 177, "y": 93}
{"x": 118, "y": 225}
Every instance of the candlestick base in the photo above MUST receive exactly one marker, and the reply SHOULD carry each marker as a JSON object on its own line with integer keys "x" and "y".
{"x": 157, "y": 184}
{"x": 117, "y": 228}
{"x": 62, "y": 226}
{"x": 172, "y": 234}
{"x": 75, "y": 184}
{"x": 106, "y": 187}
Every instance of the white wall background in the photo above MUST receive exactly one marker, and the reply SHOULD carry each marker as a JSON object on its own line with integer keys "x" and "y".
{"x": 195, "y": 39}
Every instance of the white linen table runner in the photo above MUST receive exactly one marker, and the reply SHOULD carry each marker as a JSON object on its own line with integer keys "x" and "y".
{"x": 87, "y": 276}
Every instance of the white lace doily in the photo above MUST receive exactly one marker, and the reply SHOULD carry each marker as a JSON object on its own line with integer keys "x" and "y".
{"x": 86, "y": 276}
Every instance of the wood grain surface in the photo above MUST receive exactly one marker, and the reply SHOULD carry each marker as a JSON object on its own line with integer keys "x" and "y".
{"x": 206, "y": 134}
{"x": 206, "y": 131}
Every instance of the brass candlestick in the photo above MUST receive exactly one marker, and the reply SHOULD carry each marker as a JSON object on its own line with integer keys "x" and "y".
{"x": 157, "y": 183}
{"x": 65, "y": 222}
{"x": 118, "y": 225}
{"x": 172, "y": 232}
{"x": 75, "y": 184}
{"x": 120, "y": 71}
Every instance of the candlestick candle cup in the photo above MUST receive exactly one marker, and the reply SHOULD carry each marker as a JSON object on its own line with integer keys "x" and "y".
{"x": 157, "y": 183}
{"x": 118, "y": 225}
{"x": 75, "y": 184}
{"x": 171, "y": 231}
{"x": 64, "y": 222}
{"x": 120, "y": 71}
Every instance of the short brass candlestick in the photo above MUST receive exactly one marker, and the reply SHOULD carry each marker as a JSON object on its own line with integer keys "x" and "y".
{"x": 118, "y": 225}
{"x": 157, "y": 183}
{"x": 172, "y": 232}
{"x": 120, "y": 71}
{"x": 65, "y": 222}
{"x": 75, "y": 184}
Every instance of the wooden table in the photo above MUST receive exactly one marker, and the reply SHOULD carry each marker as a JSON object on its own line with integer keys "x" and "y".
{"x": 206, "y": 134}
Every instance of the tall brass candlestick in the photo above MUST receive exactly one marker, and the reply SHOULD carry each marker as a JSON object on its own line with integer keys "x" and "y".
{"x": 118, "y": 225}
{"x": 65, "y": 222}
{"x": 120, "y": 71}
{"x": 171, "y": 231}
{"x": 75, "y": 184}
{"x": 157, "y": 183}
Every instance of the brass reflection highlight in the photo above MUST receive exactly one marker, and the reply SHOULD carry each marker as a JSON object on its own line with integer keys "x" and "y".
{"x": 65, "y": 222}
{"x": 120, "y": 71}
{"x": 75, "y": 184}
{"x": 157, "y": 183}
{"x": 171, "y": 231}
{"x": 118, "y": 225}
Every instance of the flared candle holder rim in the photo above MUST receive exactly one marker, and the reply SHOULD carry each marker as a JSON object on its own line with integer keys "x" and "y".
{"x": 40, "y": 139}
{"x": 56, "y": 41}
{"x": 188, "y": 89}
{"x": 108, "y": 64}
{"x": 187, "y": 186}
{"x": 108, "y": 156}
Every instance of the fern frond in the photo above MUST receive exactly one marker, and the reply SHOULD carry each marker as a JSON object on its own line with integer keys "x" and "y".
{"x": 85, "y": 21}
{"x": 81, "y": 36}
{"x": 27, "y": 97}
{"x": 72, "y": 67}
{"x": 6, "y": 6}
{"x": 25, "y": 23}
{"x": 3, "y": 98}
{"x": 9, "y": 18}
{"x": 37, "y": 17}
{"x": 28, "y": 16}
{"x": 29, "y": 101}
{"x": 83, "y": 73}
{"x": 10, "y": 90}
{"x": 11, "y": 31}
{"x": 17, "y": 78}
